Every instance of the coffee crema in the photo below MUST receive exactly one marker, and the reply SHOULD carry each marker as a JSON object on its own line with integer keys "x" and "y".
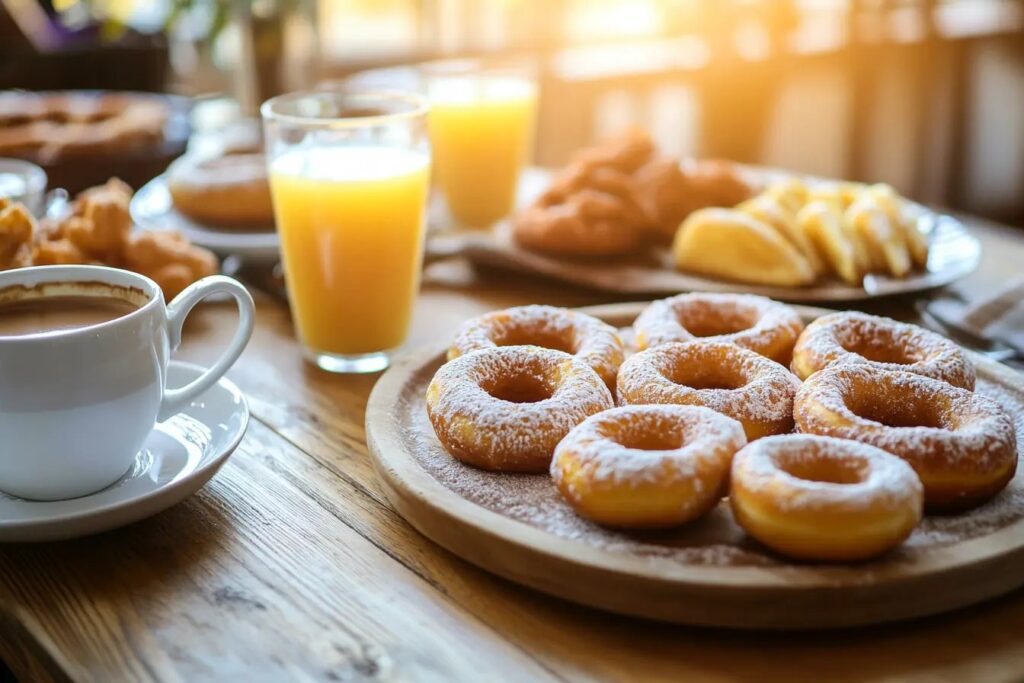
{"x": 58, "y": 313}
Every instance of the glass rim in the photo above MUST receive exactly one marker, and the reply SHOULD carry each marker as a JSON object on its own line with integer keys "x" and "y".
{"x": 419, "y": 107}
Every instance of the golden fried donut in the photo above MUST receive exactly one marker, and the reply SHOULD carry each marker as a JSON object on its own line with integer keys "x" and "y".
{"x": 507, "y": 408}
{"x": 228, "y": 191}
{"x": 853, "y": 337}
{"x": 816, "y": 498}
{"x": 753, "y": 322}
{"x": 729, "y": 379}
{"x": 646, "y": 466}
{"x": 962, "y": 446}
{"x": 596, "y": 343}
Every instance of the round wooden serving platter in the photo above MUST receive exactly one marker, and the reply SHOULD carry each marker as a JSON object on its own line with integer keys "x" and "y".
{"x": 708, "y": 572}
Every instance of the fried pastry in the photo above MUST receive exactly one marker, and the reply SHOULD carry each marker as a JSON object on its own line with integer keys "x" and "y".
{"x": 625, "y": 153}
{"x": 98, "y": 231}
{"x": 588, "y": 211}
{"x": 730, "y": 244}
{"x": 663, "y": 193}
{"x": 58, "y": 252}
{"x": 169, "y": 259}
{"x": 17, "y": 229}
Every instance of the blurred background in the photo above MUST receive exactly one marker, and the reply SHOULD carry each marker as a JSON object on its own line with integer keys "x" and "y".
{"x": 927, "y": 95}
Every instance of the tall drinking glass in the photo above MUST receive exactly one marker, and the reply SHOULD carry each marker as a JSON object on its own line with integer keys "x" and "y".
{"x": 481, "y": 126}
{"x": 349, "y": 177}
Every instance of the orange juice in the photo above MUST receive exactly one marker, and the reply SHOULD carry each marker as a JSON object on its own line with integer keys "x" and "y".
{"x": 351, "y": 222}
{"x": 481, "y": 131}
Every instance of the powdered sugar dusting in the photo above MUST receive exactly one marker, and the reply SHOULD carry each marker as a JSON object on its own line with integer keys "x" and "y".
{"x": 751, "y": 388}
{"x": 764, "y": 326}
{"x": 501, "y": 434}
{"x": 714, "y": 540}
{"x": 596, "y": 444}
{"x": 882, "y": 480}
{"x": 846, "y": 338}
{"x": 970, "y": 433}
{"x": 591, "y": 340}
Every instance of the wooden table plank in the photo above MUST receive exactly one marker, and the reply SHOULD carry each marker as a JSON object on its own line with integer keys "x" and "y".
{"x": 291, "y": 564}
{"x": 252, "y": 576}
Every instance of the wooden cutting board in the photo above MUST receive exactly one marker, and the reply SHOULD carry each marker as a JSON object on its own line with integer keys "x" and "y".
{"x": 708, "y": 572}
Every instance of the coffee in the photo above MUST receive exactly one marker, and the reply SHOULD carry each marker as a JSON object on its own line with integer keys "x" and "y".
{"x": 57, "y": 313}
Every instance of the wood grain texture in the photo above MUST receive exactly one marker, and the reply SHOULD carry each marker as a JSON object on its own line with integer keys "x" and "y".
{"x": 930, "y": 580}
{"x": 176, "y": 597}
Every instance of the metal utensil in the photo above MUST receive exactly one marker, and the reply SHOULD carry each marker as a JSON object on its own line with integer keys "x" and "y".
{"x": 994, "y": 349}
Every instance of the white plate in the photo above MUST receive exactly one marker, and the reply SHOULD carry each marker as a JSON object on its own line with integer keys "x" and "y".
{"x": 152, "y": 209}
{"x": 177, "y": 459}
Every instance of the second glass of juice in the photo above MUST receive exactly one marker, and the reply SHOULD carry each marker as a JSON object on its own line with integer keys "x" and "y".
{"x": 349, "y": 177}
{"x": 481, "y": 126}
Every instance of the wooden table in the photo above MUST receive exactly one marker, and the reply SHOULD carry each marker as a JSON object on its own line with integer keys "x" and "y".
{"x": 290, "y": 565}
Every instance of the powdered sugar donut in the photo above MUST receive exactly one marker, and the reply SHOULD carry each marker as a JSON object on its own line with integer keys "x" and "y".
{"x": 962, "y": 446}
{"x": 592, "y": 341}
{"x": 853, "y": 337}
{"x": 731, "y": 380}
{"x": 646, "y": 466}
{"x": 507, "y": 408}
{"x": 816, "y": 498}
{"x": 753, "y": 322}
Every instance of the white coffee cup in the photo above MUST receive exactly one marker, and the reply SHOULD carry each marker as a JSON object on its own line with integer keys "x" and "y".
{"x": 76, "y": 405}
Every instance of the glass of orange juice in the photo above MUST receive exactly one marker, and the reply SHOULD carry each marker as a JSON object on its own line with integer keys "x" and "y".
{"x": 349, "y": 178}
{"x": 481, "y": 128}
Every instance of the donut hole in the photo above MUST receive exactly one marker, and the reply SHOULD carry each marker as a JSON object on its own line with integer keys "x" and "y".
{"x": 825, "y": 470}
{"x": 642, "y": 437}
{"x": 559, "y": 340}
{"x": 896, "y": 411}
{"x": 701, "y": 375}
{"x": 519, "y": 388}
{"x": 880, "y": 346}
{"x": 712, "y": 323}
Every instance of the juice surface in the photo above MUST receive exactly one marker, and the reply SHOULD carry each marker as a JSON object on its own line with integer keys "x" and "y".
{"x": 351, "y": 222}
{"x": 482, "y": 134}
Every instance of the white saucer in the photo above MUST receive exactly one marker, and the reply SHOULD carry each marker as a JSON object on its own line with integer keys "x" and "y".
{"x": 177, "y": 459}
{"x": 152, "y": 209}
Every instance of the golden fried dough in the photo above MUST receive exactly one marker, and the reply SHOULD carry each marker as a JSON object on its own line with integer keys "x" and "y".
{"x": 169, "y": 259}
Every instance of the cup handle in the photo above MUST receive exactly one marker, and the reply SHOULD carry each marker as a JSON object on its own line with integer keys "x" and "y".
{"x": 175, "y": 400}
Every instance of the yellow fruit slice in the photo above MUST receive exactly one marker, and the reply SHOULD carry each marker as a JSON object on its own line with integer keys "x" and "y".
{"x": 822, "y": 222}
{"x": 771, "y": 211}
{"x": 731, "y": 245}
{"x": 844, "y": 193}
{"x": 790, "y": 193}
{"x": 889, "y": 252}
{"x": 905, "y": 216}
